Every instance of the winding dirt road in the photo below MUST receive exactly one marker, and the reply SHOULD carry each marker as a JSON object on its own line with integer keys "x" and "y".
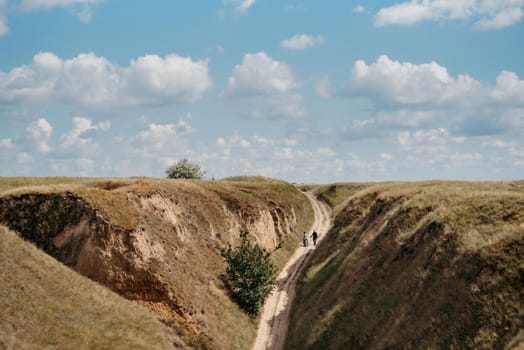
{"x": 272, "y": 328}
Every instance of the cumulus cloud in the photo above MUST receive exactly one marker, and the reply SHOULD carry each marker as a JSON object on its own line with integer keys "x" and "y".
{"x": 302, "y": 41}
{"x": 94, "y": 81}
{"x": 277, "y": 157}
{"x": 4, "y": 29}
{"x": 82, "y": 125}
{"x": 434, "y": 137}
{"x": 405, "y": 95}
{"x": 509, "y": 89}
{"x": 267, "y": 86}
{"x": 407, "y": 83}
{"x": 164, "y": 141}
{"x": 7, "y": 144}
{"x": 240, "y": 6}
{"x": 502, "y": 19}
{"x": 486, "y": 14}
{"x": 40, "y": 132}
{"x": 82, "y": 8}
{"x": 359, "y": 9}
{"x": 259, "y": 74}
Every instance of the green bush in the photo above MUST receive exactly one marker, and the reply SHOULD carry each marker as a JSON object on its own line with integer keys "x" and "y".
{"x": 250, "y": 274}
{"x": 184, "y": 169}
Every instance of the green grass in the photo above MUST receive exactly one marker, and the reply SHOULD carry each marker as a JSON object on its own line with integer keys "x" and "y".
{"x": 46, "y": 305}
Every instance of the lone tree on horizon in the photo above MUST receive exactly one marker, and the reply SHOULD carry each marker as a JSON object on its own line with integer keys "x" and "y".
{"x": 185, "y": 169}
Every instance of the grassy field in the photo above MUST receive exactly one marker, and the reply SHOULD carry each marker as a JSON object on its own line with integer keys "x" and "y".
{"x": 155, "y": 240}
{"x": 429, "y": 265}
{"x": 46, "y": 305}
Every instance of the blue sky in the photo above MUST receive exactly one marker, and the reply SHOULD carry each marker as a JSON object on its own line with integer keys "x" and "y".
{"x": 305, "y": 91}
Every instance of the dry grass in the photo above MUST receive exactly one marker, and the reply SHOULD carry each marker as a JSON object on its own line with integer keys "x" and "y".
{"x": 46, "y": 305}
{"x": 189, "y": 219}
{"x": 11, "y": 183}
{"x": 432, "y": 264}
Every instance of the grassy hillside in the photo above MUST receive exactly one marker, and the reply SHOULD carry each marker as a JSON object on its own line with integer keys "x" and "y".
{"x": 46, "y": 305}
{"x": 428, "y": 265}
{"x": 155, "y": 241}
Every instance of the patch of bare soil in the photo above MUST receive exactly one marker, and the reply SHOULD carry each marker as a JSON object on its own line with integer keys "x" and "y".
{"x": 272, "y": 328}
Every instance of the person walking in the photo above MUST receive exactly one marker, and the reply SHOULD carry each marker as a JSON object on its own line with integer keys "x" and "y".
{"x": 304, "y": 240}
{"x": 314, "y": 235}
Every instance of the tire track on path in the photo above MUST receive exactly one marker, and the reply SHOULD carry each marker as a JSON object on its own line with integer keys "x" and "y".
{"x": 272, "y": 328}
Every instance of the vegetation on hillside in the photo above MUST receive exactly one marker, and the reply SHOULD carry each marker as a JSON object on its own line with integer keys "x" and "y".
{"x": 46, "y": 305}
{"x": 250, "y": 274}
{"x": 184, "y": 169}
{"x": 416, "y": 265}
{"x": 154, "y": 240}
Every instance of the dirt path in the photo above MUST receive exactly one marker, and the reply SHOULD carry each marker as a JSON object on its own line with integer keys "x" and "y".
{"x": 272, "y": 328}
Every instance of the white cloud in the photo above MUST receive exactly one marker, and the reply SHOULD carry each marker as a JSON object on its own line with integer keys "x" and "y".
{"x": 509, "y": 89}
{"x": 302, "y": 41}
{"x": 30, "y": 5}
{"x": 265, "y": 86}
{"x": 82, "y": 8}
{"x": 430, "y": 142}
{"x": 502, "y": 19}
{"x": 488, "y": 14}
{"x": 7, "y": 144}
{"x": 95, "y": 82}
{"x": 40, "y": 132}
{"x": 24, "y": 158}
{"x": 4, "y": 29}
{"x": 164, "y": 79}
{"x": 274, "y": 157}
{"x": 259, "y": 74}
{"x": 83, "y": 125}
{"x": 323, "y": 87}
{"x": 510, "y": 147}
{"x": 407, "y": 83}
{"x": 438, "y": 136}
{"x": 460, "y": 159}
{"x": 407, "y": 95}
{"x": 359, "y": 9}
{"x": 163, "y": 140}
{"x": 240, "y": 6}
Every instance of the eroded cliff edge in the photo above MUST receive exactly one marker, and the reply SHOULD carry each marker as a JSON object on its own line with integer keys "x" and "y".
{"x": 155, "y": 241}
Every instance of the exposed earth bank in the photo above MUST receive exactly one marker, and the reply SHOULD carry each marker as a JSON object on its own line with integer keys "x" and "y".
{"x": 155, "y": 241}
{"x": 273, "y": 325}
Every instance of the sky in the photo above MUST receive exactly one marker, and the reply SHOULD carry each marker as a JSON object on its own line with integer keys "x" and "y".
{"x": 304, "y": 91}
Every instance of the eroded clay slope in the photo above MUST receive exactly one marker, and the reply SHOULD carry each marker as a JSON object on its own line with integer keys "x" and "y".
{"x": 155, "y": 242}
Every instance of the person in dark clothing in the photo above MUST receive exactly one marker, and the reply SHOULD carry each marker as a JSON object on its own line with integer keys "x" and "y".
{"x": 314, "y": 235}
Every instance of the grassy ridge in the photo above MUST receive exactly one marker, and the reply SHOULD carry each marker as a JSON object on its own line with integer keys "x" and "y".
{"x": 46, "y": 305}
{"x": 416, "y": 265}
{"x": 185, "y": 221}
